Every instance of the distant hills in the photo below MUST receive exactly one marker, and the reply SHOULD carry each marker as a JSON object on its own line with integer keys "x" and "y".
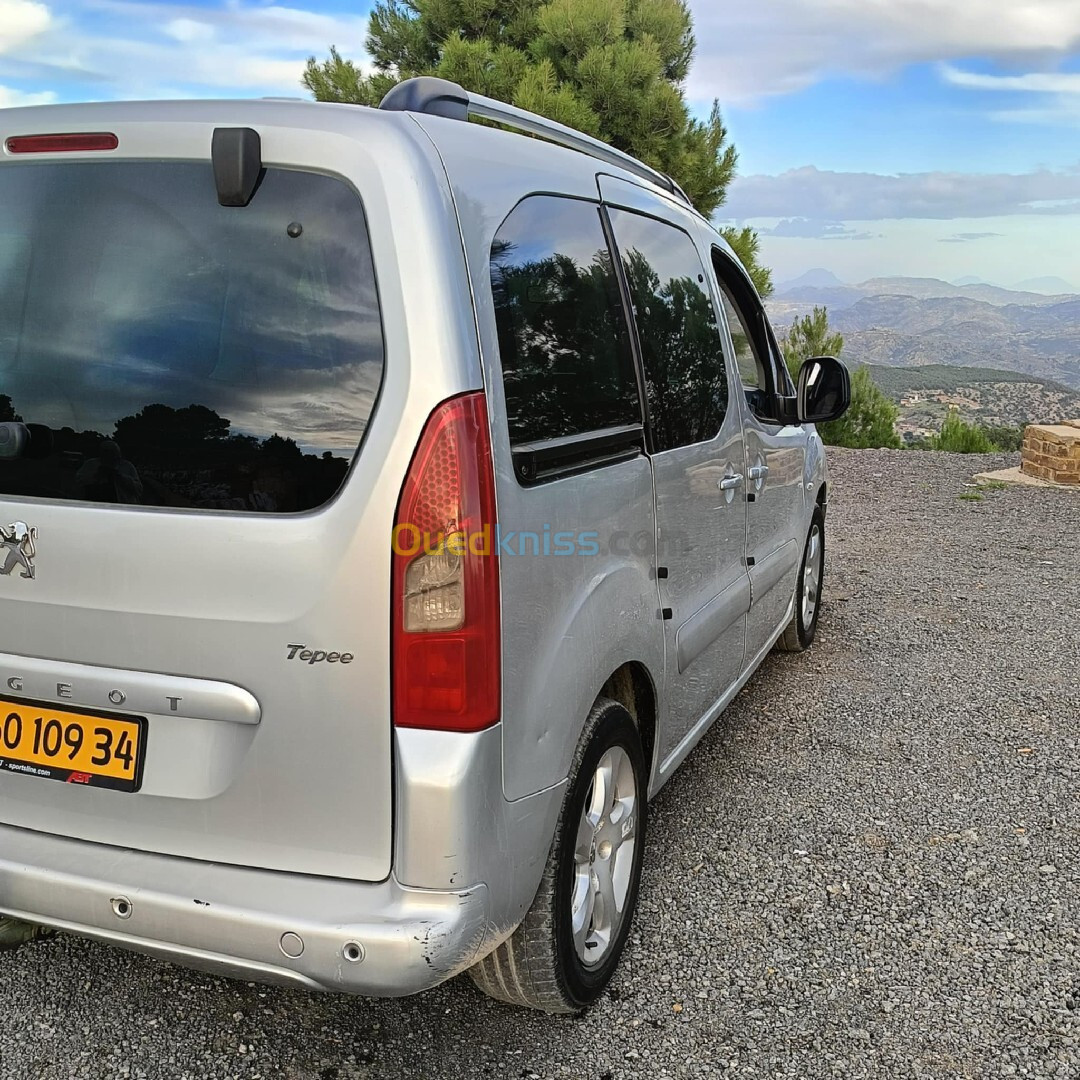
{"x": 926, "y": 395}
{"x": 839, "y": 295}
{"x": 1053, "y": 286}
{"x": 908, "y": 322}
{"x": 813, "y": 279}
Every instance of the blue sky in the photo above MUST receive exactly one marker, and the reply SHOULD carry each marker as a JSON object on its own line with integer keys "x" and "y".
{"x": 876, "y": 137}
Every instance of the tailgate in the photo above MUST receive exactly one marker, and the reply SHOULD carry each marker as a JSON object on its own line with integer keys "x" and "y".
{"x": 191, "y": 537}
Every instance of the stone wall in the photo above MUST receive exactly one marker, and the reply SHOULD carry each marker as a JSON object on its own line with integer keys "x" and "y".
{"x": 1052, "y": 452}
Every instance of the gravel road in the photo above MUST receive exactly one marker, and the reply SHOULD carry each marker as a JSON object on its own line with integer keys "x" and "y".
{"x": 868, "y": 868}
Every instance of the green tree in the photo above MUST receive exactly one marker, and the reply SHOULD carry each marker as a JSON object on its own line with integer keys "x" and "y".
{"x": 959, "y": 437}
{"x": 810, "y": 336}
{"x": 612, "y": 68}
{"x": 871, "y": 419}
{"x": 1006, "y": 438}
{"x": 869, "y": 423}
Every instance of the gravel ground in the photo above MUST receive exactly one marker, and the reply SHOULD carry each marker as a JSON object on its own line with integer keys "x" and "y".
{"x": 867, "y": 869}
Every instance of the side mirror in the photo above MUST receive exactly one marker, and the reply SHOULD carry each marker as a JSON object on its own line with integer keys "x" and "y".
{"x": 824, "y": 390}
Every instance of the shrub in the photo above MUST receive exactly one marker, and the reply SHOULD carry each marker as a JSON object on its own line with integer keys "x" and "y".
{"x": 869, "y": 423}
{"x": 959, "y": 437}
{"x": 1007, "y": 439}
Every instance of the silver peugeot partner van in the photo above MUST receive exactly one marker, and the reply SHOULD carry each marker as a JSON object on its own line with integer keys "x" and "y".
{"x": 389, "y": 504}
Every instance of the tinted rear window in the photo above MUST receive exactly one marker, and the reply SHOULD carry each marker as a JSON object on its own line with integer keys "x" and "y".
{"x": 563, "y": 339}
{"x": 158, "y": 349}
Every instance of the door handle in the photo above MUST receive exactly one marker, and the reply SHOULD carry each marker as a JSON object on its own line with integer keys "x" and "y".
{"x": 757, "y": 472}
{"x": 730, "y": 483}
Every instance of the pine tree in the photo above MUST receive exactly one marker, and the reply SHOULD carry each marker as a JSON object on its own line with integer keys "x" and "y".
{"x": 871, "y": 419}
{"x": 810, "y": 336}
{"x": 612, "y": 68}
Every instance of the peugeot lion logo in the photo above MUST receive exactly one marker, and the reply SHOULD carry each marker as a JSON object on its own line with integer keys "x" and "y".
{"x": 18, "y": 539}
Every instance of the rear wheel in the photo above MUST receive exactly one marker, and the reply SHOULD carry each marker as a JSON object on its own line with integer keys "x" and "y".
{"x": 564, "y": 953}
{"x": 799, "y": 634}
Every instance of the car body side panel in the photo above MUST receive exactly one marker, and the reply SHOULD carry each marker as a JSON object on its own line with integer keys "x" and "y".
{"x": 701, "y": 528}
{"x": 568, "y": 620}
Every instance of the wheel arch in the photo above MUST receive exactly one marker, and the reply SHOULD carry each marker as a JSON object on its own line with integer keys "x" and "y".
{"x": 632, "y": 686}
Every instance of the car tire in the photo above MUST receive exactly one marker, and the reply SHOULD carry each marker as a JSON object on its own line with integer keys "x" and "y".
{"x": 799, "y": 634}
{"x": 564, "y": 953}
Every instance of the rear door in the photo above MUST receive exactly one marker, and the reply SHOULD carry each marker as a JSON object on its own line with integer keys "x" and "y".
{"x": 697, "y": 453}
{"x": 184, "y": 388}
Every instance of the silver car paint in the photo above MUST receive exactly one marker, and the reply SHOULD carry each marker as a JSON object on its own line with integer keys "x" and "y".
{"x": 234, "y": 920}
{"x": 701, "y": 527}
{"x": 580, "y": 616}
{"x": 305, "y": 796}
{"x": 219, "y": 596}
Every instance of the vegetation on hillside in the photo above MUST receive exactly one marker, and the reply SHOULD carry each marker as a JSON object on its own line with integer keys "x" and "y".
{"x": 959, "y": 437}
{"x": 898, "y": 381}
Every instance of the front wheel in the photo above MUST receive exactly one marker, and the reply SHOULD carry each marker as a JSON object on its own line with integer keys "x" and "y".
{"x": 564, "y": 953}
{"x": 799, "y": 633}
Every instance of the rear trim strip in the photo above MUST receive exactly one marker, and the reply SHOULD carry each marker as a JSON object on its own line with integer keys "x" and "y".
{"x": 116, "y": 689}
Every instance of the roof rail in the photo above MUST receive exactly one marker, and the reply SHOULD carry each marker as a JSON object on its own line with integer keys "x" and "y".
{"x": 440, "y": 97}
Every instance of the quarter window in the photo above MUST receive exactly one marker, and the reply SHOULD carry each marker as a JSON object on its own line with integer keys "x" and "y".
{"x": 762, "y": 370}
{"x": 746, "y": 357}
{"x": 563, "y": 341}
{"x": 683, "y": 359}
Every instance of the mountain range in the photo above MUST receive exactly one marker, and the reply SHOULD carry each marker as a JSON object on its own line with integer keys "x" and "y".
{"x": 909, "y": 322}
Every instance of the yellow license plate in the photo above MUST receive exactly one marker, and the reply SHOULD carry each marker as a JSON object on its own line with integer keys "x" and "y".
{"x": 75, "y": 747}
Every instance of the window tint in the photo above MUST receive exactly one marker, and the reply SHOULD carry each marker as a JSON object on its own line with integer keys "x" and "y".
{"x": 159, "y": 349}
{"x": 685, "y": 376}
{"x": 563, "y": 341}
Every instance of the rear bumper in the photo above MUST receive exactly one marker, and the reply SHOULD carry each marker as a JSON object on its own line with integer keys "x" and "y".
{"x": 318, "y": 933}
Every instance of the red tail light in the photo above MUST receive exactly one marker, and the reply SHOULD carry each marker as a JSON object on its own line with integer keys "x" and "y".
{"x": 51, "y": 144}
{"x": 446, "y": 644}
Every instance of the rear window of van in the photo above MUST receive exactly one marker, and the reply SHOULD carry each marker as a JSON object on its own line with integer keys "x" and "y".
{"x": 158, "y": 349}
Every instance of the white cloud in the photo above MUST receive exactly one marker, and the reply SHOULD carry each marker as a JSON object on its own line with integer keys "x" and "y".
{"x": 189, "y": 30}
{"x": 1057, "y": 94}
{"x": 814, "y": 229}
{"x": 9, "y": 98}
{"x": 21, "y": 20}
{"x": 135, "y": 49}
{"x": 968, "y": 237}
{"x": 823, "y": 196}
{"x": 1038, "y": 82}
{"x": 746, "y": 51}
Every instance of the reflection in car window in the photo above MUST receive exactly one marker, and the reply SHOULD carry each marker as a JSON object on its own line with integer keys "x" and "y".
{"x": 745, "y": 355}
{"x": 159, "y": 349}
{"x": 563, "y": 341}
{"x": 685, "y": 376}
{"x": 761, "y": 368}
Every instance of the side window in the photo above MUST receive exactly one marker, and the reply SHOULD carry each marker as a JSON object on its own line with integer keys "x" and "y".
{"x": 685, "y": 377}
{"x": 563, "y": 340}
{"x": 761, "y": 368}
{"x": 751, "y": 369}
